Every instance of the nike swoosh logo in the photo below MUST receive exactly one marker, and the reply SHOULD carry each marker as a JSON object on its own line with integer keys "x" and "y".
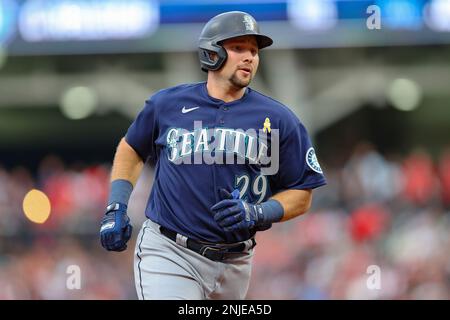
{"x": 184, "y": 110}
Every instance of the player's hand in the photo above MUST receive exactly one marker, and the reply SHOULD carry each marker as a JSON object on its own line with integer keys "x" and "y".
{"x": 234, "y": 214}
{"x": 115, "y": 228}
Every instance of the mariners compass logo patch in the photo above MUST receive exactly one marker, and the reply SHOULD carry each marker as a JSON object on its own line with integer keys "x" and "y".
{"x": 311, "y": 160}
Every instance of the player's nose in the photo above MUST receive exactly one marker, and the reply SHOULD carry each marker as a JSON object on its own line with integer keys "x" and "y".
{"x": 248, "y": 56}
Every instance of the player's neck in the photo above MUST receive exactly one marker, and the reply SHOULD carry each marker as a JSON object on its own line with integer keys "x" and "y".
{"x": 224, "y": 91}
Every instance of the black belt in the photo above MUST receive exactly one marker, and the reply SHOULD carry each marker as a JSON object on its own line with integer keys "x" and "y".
{"x": 215, "y": 252}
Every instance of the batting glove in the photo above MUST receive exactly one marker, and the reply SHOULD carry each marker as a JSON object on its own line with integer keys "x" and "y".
{"x": 115, "y": 228}
{"x": 234, "y": 214}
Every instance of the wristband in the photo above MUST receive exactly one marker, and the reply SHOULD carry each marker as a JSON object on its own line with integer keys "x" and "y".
{"x": 271, "y": 211}
{"x": 120, "y": 191}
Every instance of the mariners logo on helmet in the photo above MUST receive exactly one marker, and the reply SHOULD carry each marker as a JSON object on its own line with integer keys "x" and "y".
{"x": 312, "y": 161}
{"x": 249, "y": 23}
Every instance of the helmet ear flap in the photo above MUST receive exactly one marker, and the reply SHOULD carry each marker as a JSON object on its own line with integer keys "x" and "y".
{"x": 210, "y": 63}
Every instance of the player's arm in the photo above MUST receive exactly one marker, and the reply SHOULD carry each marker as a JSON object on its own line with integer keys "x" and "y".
{"x": 127, "y": 164}
{"x": 115, "y": 228}
{"x": 126, "y": 169}
{"x": 294, "y": 202}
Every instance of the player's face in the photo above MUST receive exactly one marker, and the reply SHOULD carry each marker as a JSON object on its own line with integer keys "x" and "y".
{"x": 242, "y": 61}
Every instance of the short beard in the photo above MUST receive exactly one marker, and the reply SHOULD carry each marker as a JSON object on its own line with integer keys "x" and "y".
{"x": 239, "y": 83}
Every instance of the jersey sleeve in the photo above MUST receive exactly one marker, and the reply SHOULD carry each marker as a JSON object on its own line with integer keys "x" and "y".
{"x": 298, "y": 164}
{"x": 143, "y": 132}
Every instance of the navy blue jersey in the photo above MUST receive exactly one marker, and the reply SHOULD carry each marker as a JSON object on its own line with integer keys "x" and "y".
{"x": 200, "y": 144}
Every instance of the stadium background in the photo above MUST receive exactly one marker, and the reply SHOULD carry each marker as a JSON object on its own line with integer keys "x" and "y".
{"x": 74, "y": 73}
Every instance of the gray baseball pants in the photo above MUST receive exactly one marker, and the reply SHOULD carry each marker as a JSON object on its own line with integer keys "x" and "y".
{"x": 165, "y": 270}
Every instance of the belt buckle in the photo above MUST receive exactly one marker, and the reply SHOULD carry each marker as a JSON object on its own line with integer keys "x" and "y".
{"x": 213, "y": 253}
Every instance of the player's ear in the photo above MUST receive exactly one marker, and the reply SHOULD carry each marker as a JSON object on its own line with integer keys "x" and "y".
{"x": 213, "y": 56}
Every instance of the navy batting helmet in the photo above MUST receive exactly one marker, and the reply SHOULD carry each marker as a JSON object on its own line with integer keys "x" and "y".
{"x": 222, "y": 27}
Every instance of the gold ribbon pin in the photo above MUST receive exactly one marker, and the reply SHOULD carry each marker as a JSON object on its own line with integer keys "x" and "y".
{"x": 267, "y": 125}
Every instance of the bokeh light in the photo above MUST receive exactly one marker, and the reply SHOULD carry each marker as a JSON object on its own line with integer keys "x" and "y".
{"x": 78, "y": 102}
{"x": 36, "y": 206}
{"x": 404, "y": 94}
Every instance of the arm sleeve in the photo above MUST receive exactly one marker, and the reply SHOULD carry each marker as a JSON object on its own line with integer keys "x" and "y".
{"x": 298, "y": 164}
{"x": 143, "y": 132}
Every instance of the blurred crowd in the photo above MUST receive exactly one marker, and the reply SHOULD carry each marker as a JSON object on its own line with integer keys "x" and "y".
{"x": 382, "y": 211}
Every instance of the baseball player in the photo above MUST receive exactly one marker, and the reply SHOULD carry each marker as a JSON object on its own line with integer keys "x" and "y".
{"x": 229, "y": 162}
